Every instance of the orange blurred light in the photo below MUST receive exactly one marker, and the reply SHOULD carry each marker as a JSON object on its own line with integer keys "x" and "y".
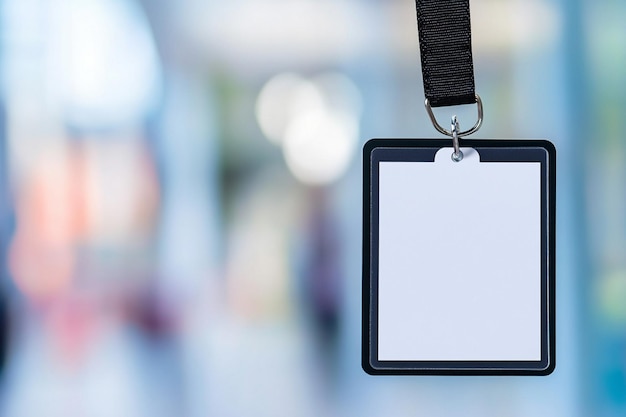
{"x": 50, "y": 214}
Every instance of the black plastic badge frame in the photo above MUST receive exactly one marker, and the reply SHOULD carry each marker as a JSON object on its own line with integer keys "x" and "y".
{"x": 424, "y": 150}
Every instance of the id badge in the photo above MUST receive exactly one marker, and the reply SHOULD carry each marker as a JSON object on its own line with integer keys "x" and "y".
{"x": 459, "y": 257}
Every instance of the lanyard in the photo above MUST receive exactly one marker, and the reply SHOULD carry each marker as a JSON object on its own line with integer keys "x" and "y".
{"x": 446, "y": 54}
{"x": 422, "y": 314}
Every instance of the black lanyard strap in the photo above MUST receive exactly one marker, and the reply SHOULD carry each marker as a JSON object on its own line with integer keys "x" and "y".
{"x": 446, "y": 52}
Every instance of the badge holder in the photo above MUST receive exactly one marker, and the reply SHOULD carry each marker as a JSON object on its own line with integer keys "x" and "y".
{"x": 458, "y": 238}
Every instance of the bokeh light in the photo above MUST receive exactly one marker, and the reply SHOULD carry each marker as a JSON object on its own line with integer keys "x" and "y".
{"x": 282, "y": 99}
{"x": 104, "y": 67}
{"x": 319, "y": 144}
{"x": 315, "y": 120}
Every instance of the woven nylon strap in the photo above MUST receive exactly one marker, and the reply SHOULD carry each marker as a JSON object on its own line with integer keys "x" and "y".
{"x": 446, "y": 51}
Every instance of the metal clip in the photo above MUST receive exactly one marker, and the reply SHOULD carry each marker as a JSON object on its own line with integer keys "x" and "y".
{"x": 457, "y": 155}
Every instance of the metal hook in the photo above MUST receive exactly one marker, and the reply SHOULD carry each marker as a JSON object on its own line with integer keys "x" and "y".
{"x": 457, "y": 155}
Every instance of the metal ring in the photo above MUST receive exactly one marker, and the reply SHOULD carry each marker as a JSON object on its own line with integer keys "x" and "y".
{"x": 457, "y": 155}
{"x": 440, "y": 129}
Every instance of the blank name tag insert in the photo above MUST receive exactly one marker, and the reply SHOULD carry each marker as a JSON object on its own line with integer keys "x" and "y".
{"x": 459, "y": 259}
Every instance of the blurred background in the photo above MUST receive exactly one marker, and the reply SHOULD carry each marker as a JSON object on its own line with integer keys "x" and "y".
{"x": 180, "y": 201}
